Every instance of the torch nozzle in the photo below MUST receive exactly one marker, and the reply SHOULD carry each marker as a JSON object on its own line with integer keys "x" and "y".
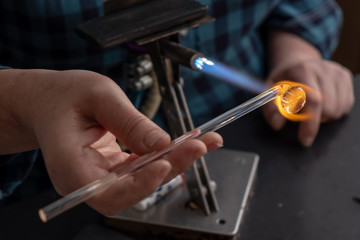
{"x": 180, "y": 54}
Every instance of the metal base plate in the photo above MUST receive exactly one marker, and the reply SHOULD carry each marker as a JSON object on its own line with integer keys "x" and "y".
{"x": 234, "y": 173}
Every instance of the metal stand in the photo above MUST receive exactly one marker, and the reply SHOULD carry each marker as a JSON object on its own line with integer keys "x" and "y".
{"x": 179, "y": 121}
{"x": 234, "y": 174}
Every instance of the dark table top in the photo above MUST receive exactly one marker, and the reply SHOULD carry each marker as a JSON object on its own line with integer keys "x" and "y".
{"x": 302, "y": 193}
{"x": 299, "y": 193}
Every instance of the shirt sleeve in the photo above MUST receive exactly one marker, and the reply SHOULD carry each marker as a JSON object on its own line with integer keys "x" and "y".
{"x": 14, "y": 168}
{"x": 317, "y": 21}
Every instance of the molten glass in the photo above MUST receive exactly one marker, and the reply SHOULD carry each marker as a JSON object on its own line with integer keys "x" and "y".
{"x": 292, "y": 100}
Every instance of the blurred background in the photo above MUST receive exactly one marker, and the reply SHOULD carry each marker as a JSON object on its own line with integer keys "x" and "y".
{"x": 348, "y": 51}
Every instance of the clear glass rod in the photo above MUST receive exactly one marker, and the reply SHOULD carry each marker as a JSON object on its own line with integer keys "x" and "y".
{"x": 120, "y": 172}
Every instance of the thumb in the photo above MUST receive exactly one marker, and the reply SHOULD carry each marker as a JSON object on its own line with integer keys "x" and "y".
{"x": 111, "y": 108}
{"x": 273, "y": 116}
{"x": 271, "y": 112}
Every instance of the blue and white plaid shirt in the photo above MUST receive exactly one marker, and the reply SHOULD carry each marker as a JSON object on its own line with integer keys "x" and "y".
{"x": 40, "y": 34}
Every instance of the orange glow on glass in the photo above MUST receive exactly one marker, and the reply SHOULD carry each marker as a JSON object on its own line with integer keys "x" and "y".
{"x": 291, "y": 101}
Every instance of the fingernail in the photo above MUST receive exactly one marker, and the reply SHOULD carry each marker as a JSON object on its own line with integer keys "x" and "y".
{"x": 153, "y": 137}
{"x": 164, "y": 172}
{"x": 308, "y": 141}
{"x": 276, "y": 121}
{"x": 219, "y": 145}
{"x": 214, "y": 146}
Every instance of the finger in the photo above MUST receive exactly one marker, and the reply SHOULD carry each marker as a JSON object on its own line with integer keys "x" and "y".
{"x": 309, "y": 128}
{"x": 110, "y": 149}
{"x": 330, "y": 99}
{"x": 184, "y": 156}
{"x": 125, "y": 193}
{"x": 271, "y": 113}
{"x": 146, "y": 180}
{"x": 348, "y": 87}
{"x": 273, "y": 116}
{"x": 337, "y": 92}
{"x": 342, "y": 96}
{"x": 104, "y": 141}
{"x": 115, "y": 158}
{"x": 346, "y": 79}
{"x": 212, "y": 140}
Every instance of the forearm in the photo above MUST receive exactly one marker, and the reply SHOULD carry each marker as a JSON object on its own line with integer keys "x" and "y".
{"x": 286, "y": 49}
{"x": 16, "y": 134}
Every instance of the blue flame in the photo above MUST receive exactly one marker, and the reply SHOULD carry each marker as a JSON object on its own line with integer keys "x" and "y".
{"x": 229, "y": 75}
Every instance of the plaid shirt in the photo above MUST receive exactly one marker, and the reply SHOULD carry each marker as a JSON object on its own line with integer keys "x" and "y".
{"x": 40, "y": 34}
